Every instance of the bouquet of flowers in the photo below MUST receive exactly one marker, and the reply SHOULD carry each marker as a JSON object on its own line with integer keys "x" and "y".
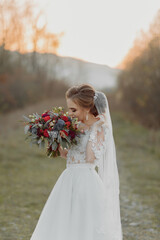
{"x": 55, "y": 127}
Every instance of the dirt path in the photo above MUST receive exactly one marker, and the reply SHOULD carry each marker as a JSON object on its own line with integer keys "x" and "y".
{"x": 25, "y": 171}
{"x": 140, "y": 221}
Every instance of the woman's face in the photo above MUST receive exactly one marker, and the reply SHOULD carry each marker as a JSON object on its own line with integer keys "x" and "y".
{"x": 75, "y": 110}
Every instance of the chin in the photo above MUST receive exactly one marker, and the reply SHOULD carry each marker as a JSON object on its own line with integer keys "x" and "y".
{"x": 79, "y": 119}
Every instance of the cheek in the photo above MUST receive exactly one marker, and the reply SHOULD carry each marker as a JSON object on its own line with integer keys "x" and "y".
{"x": 80, "y": 114}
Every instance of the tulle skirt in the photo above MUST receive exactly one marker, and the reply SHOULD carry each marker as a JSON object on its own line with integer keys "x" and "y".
{"x": 75, "y": 208}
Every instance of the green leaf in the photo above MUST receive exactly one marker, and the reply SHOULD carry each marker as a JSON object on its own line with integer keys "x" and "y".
{"x": 54, "y": 146}
{"x": 27, "y": 119}
{"x": 59, "y": 138}
{"x": 39, "y": 141}
{"x": 45, "y": 125}
{"x": 64, "y": 144}
{"x": 34, "y": 136}
{"x": 28, "y": 136}
{"x": 26, "y": 129}
{"x": 43, "y": 144}
{"x": 68, "y": 139}
{"x": 34, "y": 142}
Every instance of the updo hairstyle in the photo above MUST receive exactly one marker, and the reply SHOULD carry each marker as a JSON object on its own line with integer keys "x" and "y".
{"x": 83, "y": 95}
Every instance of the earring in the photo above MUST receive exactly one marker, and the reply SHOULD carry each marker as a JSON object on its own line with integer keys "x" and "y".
{"x": 87, "y": 116}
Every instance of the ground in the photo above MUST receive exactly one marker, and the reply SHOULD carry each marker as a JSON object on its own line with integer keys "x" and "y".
{"x": 27, "y": 177}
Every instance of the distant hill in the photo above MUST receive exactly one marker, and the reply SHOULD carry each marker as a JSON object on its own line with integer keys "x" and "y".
{"x": 72, "y": 70}
{"x": 101, "y": 76}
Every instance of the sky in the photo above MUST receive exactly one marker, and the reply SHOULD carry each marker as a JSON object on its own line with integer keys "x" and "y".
{"x": 98, "y": 31}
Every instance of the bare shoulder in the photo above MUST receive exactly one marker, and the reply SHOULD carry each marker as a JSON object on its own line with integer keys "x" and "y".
{"x": 102, "y": 122}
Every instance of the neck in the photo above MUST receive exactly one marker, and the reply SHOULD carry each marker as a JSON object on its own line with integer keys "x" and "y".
{"x": 91, "y": 119}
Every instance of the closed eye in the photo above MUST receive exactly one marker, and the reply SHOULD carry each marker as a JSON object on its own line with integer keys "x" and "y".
{"x": 73, "y": 109}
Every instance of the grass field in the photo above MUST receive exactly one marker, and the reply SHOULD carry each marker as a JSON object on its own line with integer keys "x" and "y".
{"x": 138, "y": 156}
{"x": 27, "y": 177}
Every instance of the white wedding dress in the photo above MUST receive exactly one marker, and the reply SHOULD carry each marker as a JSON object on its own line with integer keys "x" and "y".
{"x": 76, "y": 206}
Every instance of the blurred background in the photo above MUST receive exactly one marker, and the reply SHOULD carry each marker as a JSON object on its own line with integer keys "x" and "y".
{"x": 48, "y": 46}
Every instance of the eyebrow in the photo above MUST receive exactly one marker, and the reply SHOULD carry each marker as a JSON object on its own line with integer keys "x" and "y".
{"x": 72, "y": 108}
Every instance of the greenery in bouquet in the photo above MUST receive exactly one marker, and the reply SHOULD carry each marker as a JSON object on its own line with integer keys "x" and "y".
{"x": 53, "y": 126}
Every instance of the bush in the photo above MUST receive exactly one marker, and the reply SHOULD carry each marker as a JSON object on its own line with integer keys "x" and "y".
{"x": 140, "y": 87}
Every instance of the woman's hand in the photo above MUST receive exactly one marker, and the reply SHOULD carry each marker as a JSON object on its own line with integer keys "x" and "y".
{"x": 63, "y": 152}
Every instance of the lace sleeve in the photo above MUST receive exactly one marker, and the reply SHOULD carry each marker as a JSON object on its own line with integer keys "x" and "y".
{"x": 95, "y": 145}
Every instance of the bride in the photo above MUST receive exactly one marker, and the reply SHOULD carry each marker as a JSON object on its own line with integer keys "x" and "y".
{"x": 84, "y": 202}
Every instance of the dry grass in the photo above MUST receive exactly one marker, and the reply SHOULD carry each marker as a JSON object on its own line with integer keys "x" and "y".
{"x": 27, "y": 177}
{"x": 10, "y": 120}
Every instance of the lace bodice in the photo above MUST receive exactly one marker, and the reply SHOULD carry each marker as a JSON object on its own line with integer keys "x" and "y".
{"x": 90, "y": 148}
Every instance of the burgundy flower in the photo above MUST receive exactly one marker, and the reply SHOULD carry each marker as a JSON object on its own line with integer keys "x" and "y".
{"x": 39, "y": 132}
{"x": 45, "y": 115}
{"x": 72, "y": 134}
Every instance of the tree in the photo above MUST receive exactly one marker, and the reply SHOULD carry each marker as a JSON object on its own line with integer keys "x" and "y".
{"x": 139, "y": 82}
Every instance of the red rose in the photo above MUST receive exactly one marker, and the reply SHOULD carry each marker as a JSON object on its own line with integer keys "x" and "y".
{"x": 46, "y": 118}
{"x": 63, "y": 132}
{"x": 64, "y": 118}
{"x": 45, "y": 133}
{"x": 68, "y": 124}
